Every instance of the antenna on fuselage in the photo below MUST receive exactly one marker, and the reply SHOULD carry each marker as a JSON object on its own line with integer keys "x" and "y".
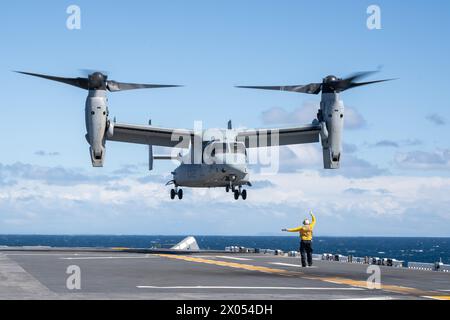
{"x": 230, "y": 125}
{"x": 150, "y": 152}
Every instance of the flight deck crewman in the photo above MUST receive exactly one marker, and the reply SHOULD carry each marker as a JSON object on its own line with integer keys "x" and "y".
{"x": 306, "y": 236}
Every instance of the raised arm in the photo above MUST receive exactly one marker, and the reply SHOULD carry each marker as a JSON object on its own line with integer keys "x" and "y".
{"x": 313, "y": 220}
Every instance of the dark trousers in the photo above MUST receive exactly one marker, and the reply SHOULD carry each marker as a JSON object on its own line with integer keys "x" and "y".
{"x": 306, "y": 252}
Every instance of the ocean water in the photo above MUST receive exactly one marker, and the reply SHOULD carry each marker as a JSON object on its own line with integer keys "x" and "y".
{"x": 406, "y": 249}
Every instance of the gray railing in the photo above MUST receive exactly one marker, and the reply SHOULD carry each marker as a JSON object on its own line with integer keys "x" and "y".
{"x": 438, "y": 266}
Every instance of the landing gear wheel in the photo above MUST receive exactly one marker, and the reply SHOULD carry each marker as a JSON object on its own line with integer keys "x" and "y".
{"x": 236, "y": 195}
{"x": 172, "y": 194}
{"x": 180, "y": 194}
{"x": 227, "y": 189}
{"x": 244, "y": 194}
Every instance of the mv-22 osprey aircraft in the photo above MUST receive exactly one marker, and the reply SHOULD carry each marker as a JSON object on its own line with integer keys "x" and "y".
{"x": 216, "y": 159}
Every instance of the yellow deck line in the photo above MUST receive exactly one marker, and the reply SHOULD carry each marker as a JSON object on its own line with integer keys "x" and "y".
{"x": 336, "y": 280}
{"x": 231, "y": 264}
{"x": 363, "y": 284}
{"x": 438, "y": 297}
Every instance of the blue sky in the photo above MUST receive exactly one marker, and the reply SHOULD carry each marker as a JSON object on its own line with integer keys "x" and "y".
{"x": 398, "y": 161}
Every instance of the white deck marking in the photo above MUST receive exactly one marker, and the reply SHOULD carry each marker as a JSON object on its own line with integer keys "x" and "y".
{"x": 252, "y": 288}
{"x": 41, "y": 254}
{"x": 290, "y": 265}
{"x": 370, "y": 298}
{"x": 108, "y": 258}
{"x": 233, "y": 258}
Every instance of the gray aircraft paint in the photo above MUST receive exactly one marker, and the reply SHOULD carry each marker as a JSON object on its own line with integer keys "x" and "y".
{"x": 332, "y": 109}
{"x": 199, "y": 167}
{"x": 96, "y": 114}
{"x": 220, "y": 169}
{"x": 331, "y": 113}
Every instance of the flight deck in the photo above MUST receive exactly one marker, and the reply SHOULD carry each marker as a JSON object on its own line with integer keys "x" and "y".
{"x": 203, "y": 276}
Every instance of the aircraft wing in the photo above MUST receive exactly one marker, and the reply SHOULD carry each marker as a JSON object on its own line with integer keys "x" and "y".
{"x": 150, "y": 135}
{"x": 280, "y": 137}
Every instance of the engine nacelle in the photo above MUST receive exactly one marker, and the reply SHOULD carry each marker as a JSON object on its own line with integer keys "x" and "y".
{"x": 331, "y": 117}
{"x": 96, "y": 114}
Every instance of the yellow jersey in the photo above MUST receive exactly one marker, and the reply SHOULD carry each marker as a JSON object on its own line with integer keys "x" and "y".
{"x": 306, "y": 232}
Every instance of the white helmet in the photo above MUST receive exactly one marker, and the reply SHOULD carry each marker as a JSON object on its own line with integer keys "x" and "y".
{"x": 306, "y": 222}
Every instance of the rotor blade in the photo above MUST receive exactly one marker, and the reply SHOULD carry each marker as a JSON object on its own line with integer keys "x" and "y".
{"x": 82, "y": 83}
{"x": 312, "y": 88}
{"x": 360, "y": 84}
{"x": 114, "y": 86}
{"x": 347, "y": 83}
{"x": 359, "y": 75}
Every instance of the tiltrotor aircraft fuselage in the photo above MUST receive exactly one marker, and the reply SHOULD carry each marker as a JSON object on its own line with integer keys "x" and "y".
{"x": 216, "y": 158}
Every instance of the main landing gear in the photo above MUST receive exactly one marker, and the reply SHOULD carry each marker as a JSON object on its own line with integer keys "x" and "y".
{"x": 237, "y": 192}
{"x": 176, "y": 192}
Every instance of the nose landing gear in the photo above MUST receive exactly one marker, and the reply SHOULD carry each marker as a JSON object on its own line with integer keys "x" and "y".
{"x": 176, "y": 192}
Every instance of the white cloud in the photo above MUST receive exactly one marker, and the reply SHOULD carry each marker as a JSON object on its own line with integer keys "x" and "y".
{"x": 306, "y": 114}
{"x": 53, "y": 176}
{"x": 386, "y": 144}
{"x": 422, "y": 160}
{"x": 43, "y": 153}
{"x": 353, "y": 119}
{"x": 396, "y": 144}
{"x": 436, "y": 119}
{"x": 309, "y": 156}
{"x": 377, "y": 205}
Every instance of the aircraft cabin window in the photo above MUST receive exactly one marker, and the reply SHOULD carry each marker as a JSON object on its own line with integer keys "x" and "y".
{"x": 237, "y": 148}
{"x": 220, "y": 148}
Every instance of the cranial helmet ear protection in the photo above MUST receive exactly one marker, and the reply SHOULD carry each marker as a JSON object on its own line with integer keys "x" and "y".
{"x": 306, "y": 222}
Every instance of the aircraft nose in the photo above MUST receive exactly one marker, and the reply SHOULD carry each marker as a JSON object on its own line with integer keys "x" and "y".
{"x": 237, "y": 169}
